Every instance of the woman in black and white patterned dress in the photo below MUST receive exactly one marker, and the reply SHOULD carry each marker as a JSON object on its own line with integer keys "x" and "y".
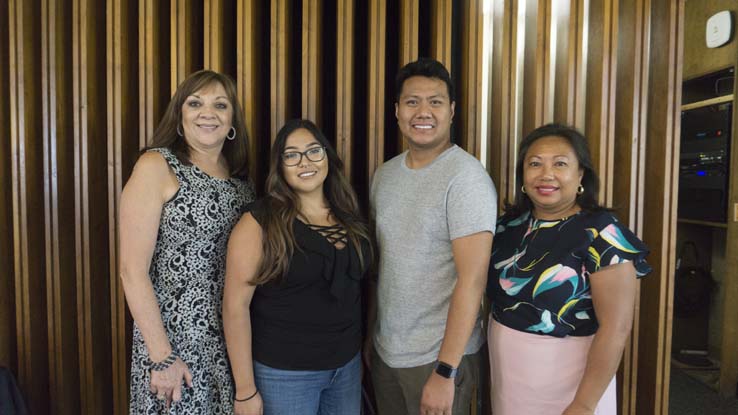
{"x": 177, "y": 210}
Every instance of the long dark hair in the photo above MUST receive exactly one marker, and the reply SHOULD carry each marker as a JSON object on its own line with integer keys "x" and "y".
{"x": 166, "y": 136}
{"x": 590, "y": 181}
{"x": 282, "y": 205}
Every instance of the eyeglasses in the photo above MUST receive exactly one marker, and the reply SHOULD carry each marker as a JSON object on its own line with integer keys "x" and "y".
{"x": 293, "y": 158}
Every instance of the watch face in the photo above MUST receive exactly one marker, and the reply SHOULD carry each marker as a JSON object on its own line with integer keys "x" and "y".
{"x": 445, "y": 370}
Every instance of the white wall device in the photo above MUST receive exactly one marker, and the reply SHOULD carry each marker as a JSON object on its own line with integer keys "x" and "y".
{"x": 719, "y": 29}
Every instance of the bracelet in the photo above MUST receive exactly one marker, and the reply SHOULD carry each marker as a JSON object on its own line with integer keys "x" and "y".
{"x": 164, "y": 364}
{"x": 246, "y": 399}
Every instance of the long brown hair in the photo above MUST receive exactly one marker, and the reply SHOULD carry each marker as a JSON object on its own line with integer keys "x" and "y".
{"x": 235, "y": 151}
{"x": 282, "y": 206}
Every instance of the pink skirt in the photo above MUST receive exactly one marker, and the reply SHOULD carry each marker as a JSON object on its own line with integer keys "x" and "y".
{"x": 538, "y": 375}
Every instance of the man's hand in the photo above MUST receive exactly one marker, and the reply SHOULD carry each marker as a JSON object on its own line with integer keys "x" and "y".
{"x": 438, "y": 396}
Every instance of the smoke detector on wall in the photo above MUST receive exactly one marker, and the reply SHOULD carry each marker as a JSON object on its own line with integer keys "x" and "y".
{"x": 719, "y": 29}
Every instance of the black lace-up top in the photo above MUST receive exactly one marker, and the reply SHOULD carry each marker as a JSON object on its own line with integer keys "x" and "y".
{"x": 311, "y": 318}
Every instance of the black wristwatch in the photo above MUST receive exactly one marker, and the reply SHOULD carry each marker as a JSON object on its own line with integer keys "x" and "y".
{"x": 446, "y": 370}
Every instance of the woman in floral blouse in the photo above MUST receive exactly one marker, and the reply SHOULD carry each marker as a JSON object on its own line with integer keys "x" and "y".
{"x": 562, "y": 283}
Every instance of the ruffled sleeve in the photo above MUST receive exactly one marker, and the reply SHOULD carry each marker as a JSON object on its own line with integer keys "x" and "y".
{"x": 613, "y": 243}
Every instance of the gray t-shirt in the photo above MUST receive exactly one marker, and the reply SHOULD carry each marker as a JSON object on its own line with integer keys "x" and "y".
{"x": 418, "y": 212}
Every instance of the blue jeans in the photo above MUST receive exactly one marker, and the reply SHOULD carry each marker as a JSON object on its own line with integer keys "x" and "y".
{"x": 310, "y": 392}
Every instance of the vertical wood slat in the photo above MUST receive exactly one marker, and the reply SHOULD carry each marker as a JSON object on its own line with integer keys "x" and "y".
{"x": 471, "y": 93}
{"x": 629, "y": 152}
{"x": 124, "y": 123}
{"x": 409, "y": 28}
{"x": 91, "y": 221}
{"x": 600, "y": 91}
{"x": 442, "y": 13}
{"x": 571, "y": 54}
{"x": 729, "y": 344}
{"x": 659, "y": 230}
{"x": 539, "y": 67}
{"x": 251, "y": 36}
{"x": 28, "y": 227}
{"x": 345, "y": 82}
{"x": 279, "y": 64}
{"x": 182, "y": 48}
{"x": 311, "y": 60}
{"x": 509, "y": 28}
{"x": 409, "y": 44}
{"x": 150, "y": 69}
{"x": 58, "y": 173}
{"x": 8, "y": 332}
{"x": 377, "y": 78}
{"x": 213, "y": 41}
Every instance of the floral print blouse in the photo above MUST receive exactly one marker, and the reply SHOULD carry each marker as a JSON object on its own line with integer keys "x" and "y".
{"x": 539, "y": 273}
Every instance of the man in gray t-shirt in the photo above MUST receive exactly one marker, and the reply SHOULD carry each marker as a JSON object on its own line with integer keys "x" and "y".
{"x": 434, "y": 208}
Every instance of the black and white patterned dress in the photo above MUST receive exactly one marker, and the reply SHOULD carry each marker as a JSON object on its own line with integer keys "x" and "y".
{"x": 188, "y": 271}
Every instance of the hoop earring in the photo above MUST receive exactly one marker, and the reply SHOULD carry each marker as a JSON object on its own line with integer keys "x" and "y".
{"x": 522, "y": 189}
{"x": 179, "y": 132}
{"x": 580, "y": 189}
{"x": 231, "y": 136}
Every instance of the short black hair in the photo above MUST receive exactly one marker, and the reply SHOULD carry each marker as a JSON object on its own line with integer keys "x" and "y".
{"x": 590, "y": 181}
{"x": 427, "y": 67}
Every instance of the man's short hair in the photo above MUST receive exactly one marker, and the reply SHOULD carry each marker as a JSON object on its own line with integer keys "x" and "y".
{"x": 427, "y": 67}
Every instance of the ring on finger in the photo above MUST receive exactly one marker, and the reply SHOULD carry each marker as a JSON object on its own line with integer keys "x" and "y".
{"x": 161, "y": 396}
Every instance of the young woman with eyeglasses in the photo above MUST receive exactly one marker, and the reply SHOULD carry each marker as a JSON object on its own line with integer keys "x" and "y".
{"x": 292, "y": 301}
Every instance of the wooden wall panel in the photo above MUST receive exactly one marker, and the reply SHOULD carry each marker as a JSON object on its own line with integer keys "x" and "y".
{"x": 571, "y": 49}
{"x": 470, "y": 93}
{"x": 629, "y": 154}
{"x": 312, "y": 53}
{"x": 187, "y": 36}
{"x": 345, "y": 62}
{"x": 91, "y": 201}
{"x": 153, "y": 63}
{"x": 376, "y": 99}
{"x": 599, "y": 126}
{"x": 219, "y": 35}
{"x": 126, "y": 117}
{"x": 659, "y": 230}
{"x": 252, "y": 82}
{"x": 441, "y": 16}
{"x": 285, "y": 81}
{"x": 7, "y": 281}
{"x": 58, "y": 190}
{"x": 28, "y": 200}
{"x": 409, "y": 28}
{"x": 509, "y": 27}
{"x": 214, "y": 34}
{"x": 538, "y": 68}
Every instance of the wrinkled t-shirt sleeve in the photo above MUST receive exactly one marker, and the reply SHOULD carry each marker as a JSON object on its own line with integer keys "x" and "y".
{"x": 471, "y": 203}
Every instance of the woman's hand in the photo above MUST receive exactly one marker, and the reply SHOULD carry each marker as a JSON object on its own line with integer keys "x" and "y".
{"x": 167, "y": 384}
{"x": 253, "y": 406}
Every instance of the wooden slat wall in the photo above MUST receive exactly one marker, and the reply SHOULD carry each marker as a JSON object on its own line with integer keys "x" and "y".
{"x": 26, "y": 153}
{"x": 345, "y": 68}
{"x": 89, "y": 80}
{"x": 376, "y": 97}
{"x": 509, "y": 28}
{"x": 312, "y": 65}
{"x": 124, "y": 125}
{"x": 630, "y": 133}
{"x": 7, "y": 281}
{"x": 659, "y": 224}
{"x": 91, "y": 189}
{"x": 64, "y": 369}
{"x": 469, "y": 93}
